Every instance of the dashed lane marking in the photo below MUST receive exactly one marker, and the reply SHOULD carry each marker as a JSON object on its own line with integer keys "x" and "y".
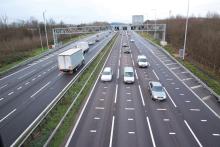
{"x": 129, "y": 109}
{"x": 206, "y": 97}
{"x": 203, "y": 120}
{"x": 11, "y": 93}
{"x": 99, "y": 108}
{"x": 172, "y": 133}
{"x": 195, "y": 87}
{"x": 131, "y": 132}
{"x": 194, "y": 110}
{"x": 93, "y": 131}
{"x": 187, "y": 79}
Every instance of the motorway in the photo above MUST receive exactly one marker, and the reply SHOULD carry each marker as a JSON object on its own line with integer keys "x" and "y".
{"x": 25, "y": 93}
{"x": 121, "y": 115}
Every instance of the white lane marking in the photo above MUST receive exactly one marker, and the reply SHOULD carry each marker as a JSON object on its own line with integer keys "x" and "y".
{"x": 169, "y": 79}
{"x": 112, "y": 131}
{"x": 128, "y": 93}
{"x": 172, "y": 83}
{"x": 99, "y": 108}
{"x": 166, "y": 60}
{"x": 131, "y": 132}
{"x": 129, "y": 100}
{"x": 171, "y": 64}
{"x": 163, "y": 57}
{"x": 116, "y": 93}
{"x": 59, "y": 74}
{"x": 187, "y": 101}
{"x": 160, "y": 109}
{"x": 187, "y": 79}
{"x": 166, "y": 119}
{"x": 172, "y": 133}
{"x": 170, "y": 97}
{"x": 142, "y": 98}
{"x": 151, "y": 133}
{"x": 105, "y": 87}
{"x": 7, "y": 115}
{"x": 27, "y": 83}
{"x": 44, "y": 72}
{"x": 184, "y": 72}
{"x": 3, "y": 86}
{"x": 93, "y": 131}
{"x": 173, "y": 68}
{"x": 96, "y": 118}
{"x": 197, "y": 140}
{"x": 215, "y": 134}
{"x": 181, "y": 94}
{"x": 33, "y": 79}
{"x": 26, "y": 74}
{"x": 206, "y": 97}
{"x": 129, "y": 108}
{"x": 130, "y": 119}
{"x": 136, "y": 74}
{"x": 131, "y": 56}
{"x": 119, "y": 63}
{"x": 39, "y": 76}
{"x": 1, "y": 98}
{"x": 40, "y": 89}
{"x": 177, "y": 88}
{"x": 195, "y": 87}
{"x": 118, "y": 74}
{"x": 156, "y": 75}
{"x": 11, "y": 93}
{"x": 194, "y": 109}
{"x": 203, "y": 120}
{"x": 101, "y": 99}
{"x": 19, "y": 88}
{"x": 133, "y": 62}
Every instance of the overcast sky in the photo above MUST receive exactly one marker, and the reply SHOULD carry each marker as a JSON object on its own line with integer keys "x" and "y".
{"x": 84, "y": 11}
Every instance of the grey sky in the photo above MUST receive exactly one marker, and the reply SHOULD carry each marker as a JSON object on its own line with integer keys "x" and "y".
{"x": 84, "y": 11}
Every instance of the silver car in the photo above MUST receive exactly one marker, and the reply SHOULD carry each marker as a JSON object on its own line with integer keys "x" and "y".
{"x": 157, "y": 91}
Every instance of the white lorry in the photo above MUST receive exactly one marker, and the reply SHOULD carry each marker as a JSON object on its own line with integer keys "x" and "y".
{"x": 84, "y": 46}
{"x": 70, "y": 60}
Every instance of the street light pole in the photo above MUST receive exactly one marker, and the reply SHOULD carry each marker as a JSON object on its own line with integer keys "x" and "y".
{"x": 45, "y": 27}
{"x": 40, "y": 37}
{"x": 187, "y": 18}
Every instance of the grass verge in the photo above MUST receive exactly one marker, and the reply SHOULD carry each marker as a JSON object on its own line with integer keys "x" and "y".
{"x": 203, "y": 75}
{"x": 40, "y": 135}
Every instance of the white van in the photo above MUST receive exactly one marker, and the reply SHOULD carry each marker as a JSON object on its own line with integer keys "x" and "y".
{"x": 128, "y": 75}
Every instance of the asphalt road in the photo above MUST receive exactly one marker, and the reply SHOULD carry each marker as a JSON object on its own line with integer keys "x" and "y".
{"x": 25, "y": 93}
{"x": 121, "y": 115}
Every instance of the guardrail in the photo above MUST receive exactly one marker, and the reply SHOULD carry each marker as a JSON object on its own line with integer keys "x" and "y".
{"x": 192, "y": 74}
{"x": 20, "y": 140}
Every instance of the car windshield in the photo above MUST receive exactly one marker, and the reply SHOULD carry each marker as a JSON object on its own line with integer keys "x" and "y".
{"x": 106, "y": 73}
{"x": 157, "y": 88}
{"x": 129, "y": 74}
{"x": 142, "y": 60}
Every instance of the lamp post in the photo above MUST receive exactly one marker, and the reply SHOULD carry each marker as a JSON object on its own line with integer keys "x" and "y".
{"x": 187, "y": 18}
{"x": 45, "y": 27}
{"x": 40, "y": 37}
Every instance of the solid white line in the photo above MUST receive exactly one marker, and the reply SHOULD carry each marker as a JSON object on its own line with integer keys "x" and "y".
{"x": 194, "y": 109}
{"x": 118, "y": 74}
{"x": 136, "y": 74}
{"x": 215, "y": 134}
{"x": 19, "y": 88}
{"x": 7, "y": 115}
{"x": 99, "y": 108}
{"x": 93, "y": 131}
{"x": 129, "y": 108}
{"x": 160, "y": 109}
{"x": 11, "y": 93}
{"x": 156, "y": 75}
{"x": 197, "y": 140}
{"x": 197, "y": 86}
{"x": 112, "y": 131}
{"x": 142, "y": 98}
{"x": 96, "y": 118}
{"x": 151, "y": 133}
{"x": 40, "y": 89}
{"x": 116, "y": 93}
{"x": 170, "y": 97}
{"x": 4, "y": 86}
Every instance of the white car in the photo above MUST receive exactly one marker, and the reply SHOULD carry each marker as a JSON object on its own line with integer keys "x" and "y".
{"x": 142, "y": 61}
{"x": 107, "y": 74}
{"x": 128, "y": 75}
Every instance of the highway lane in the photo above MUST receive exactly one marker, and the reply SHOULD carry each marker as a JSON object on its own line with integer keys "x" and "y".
{"x": 136, "y": 120}
{"x": 38, "y": 89}
{"x": 197, "y": 117}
